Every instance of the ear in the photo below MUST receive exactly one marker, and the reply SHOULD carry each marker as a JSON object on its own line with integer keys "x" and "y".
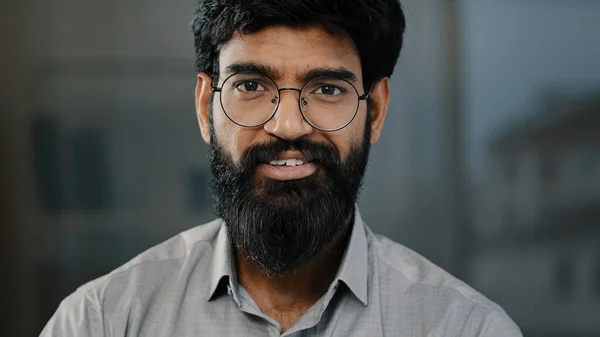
{"x": 380, "y": 97}
{"x": 202, "y": 94}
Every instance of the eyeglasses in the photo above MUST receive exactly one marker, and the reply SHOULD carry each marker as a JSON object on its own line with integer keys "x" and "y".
{"x": 326, "y": 103}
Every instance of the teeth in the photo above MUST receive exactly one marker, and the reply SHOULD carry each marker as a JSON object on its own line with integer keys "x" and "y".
{"x": 286, "y": 162}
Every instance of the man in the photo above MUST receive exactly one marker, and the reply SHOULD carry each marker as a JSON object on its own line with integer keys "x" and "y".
{"x": 290, "y": 95}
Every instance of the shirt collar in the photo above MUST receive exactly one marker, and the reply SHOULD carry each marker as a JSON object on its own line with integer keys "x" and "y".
{"x": 353, "y": 269}
{"x": 222, "y": 261}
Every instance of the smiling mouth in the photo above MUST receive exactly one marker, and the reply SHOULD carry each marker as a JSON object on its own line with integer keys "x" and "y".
{"x": 287, "y": 162}
{"x": 294, "y": 167}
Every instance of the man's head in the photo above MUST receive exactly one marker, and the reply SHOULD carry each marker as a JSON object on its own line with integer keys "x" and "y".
{"x": 290, "y": 96}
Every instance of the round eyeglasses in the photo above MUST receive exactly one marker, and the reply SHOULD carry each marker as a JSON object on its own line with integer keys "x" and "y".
{"x": 326, "y": 103}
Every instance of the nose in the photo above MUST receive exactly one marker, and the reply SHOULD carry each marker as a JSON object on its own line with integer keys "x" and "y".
{"x": 288, "y": 122}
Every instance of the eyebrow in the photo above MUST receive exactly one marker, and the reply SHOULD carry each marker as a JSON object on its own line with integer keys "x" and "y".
{"x": 248, "y": 67}
{"x": 266, "y": 70}
{"x": 339, "y": 72}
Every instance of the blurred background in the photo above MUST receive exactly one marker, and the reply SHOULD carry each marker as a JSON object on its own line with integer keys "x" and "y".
{"x": 489, "y": 164}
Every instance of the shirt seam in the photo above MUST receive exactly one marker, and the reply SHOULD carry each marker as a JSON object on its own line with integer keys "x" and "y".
{"x": 96, "y": 307}
{"x": 490, "y": 325}
{"x": 100, "y": 286}
{"x": 115, "y": 273}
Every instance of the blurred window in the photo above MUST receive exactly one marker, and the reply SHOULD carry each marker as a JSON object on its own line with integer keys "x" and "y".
{"x": 198, "y": 181}
{"x": 588, "y": 162}
{"x": 88, "y": 183}
{"x": 548, "y": 169}
{"x": 509, "y": 167}
{"x": 565, "y": 274}
{"x": 71, "y": 169}
{"x": 47, "y": 164}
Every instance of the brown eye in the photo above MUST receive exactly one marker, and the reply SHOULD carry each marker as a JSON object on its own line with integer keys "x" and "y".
{"x": 328, "y": 90}
{"x": 250, "y": 86}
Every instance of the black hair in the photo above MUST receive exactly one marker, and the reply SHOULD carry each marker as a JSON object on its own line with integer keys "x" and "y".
{"x": 375, "y": 26}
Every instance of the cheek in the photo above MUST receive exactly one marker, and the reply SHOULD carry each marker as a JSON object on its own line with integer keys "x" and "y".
{"x": 349, "y": 137}
{"x": 231, "y": 137}
{"x": 356, "y": 130}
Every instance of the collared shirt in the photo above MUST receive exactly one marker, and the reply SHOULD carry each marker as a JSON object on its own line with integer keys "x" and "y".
{"x": 187, "y": 286}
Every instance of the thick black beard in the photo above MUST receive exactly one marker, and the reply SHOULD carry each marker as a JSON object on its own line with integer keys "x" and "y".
{"x": 280, "y": 225}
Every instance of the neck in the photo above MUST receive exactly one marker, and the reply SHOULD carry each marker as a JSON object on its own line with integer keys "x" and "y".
{"x": 297, "y": 290}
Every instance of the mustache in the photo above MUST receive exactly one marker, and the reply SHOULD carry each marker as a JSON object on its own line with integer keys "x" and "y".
{"x": 325, "y": 154}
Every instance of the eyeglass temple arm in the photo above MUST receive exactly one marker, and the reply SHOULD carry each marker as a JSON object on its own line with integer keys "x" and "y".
{"x": 213, "y": 80}
{"x": 367, "y": 94}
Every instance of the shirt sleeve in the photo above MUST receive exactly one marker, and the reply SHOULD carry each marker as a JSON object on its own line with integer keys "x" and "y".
{"x": 499, "y": 324}
{"x": 78, "y": 315}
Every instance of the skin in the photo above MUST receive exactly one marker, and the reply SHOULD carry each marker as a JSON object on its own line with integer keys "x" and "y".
{"x": 291, "y": 52}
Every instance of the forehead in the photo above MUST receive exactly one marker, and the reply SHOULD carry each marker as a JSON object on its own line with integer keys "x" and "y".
{"x": 291, "y": 52}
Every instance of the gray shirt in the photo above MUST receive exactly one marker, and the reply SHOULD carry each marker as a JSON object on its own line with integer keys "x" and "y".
{"x": 187, "y": 286}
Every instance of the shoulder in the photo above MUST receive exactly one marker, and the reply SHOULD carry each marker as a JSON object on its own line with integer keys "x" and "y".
{"x": 138, "y": 289}
{"x": 418, "y": 271}
{"x": 440, "y": 299}
{"x": 195, "y": 243}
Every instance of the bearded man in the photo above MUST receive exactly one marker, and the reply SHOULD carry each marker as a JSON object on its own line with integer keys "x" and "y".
{"x": 290, "y": 96}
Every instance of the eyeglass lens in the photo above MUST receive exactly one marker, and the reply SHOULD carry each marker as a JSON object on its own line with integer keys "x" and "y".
{"x": 252, "y": 99}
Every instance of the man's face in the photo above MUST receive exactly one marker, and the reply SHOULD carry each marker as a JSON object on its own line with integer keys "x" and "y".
{"x": 282, "y": 216}
{"x": 291, "y": 53}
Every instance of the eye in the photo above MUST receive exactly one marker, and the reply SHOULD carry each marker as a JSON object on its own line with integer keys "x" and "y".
{"x": 250, "y": 86}
{"x": 329, "y": 90}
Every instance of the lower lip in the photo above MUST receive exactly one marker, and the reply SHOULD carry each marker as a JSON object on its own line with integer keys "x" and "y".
{"x": 287, "y": 172}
